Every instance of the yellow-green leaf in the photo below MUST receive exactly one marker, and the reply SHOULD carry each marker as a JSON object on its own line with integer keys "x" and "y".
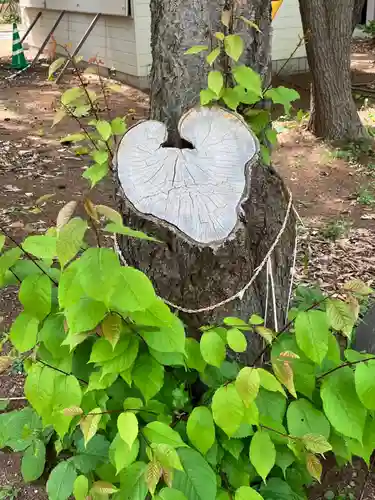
{"x": 247, "y": 384}
{"x": 358, "y": 286}
{"x": 127, "y": 425}
{"x": 316, "y": 443}
{"x": 234, "y": 46}
{"x": 103, "y": 488}
{"x": 215, "y": 81}
{"x": 81, "y": 488}
{"x": 89, "y": 424}
{"x": 228, "y": 409}
{"x": 104, "y": 129}
{"x": 195, "y": 49}
{"x": 200, "y": 429}
{"x": 314, "y": 466}
{"x": 262, "y": 453}
{"x": 247, "y": 493}
{"x": 269, "y": 381}
{"x": 236, "y": 340}
{"x": 212, "y": 56}
{"x": 340, "y": 316}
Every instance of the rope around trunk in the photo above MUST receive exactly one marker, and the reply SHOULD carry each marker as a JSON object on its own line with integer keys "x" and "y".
{"x": 240, "y": 293}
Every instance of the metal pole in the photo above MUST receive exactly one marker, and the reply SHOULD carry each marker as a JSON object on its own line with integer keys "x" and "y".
{"x": 31, "y": 26}
{"x": 78, "y": 48}
{"x": 43, "y": 46}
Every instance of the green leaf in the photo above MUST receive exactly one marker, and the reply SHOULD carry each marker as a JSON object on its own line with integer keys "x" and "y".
{"x": 316, "y": 443}
{"x": 36, "y": 295}
{"x": 110, "y": 214}
{"x": 127, "y": 231}
{"x": 85, "y": 315}
{"x": 198, "y": 481}
{"x": 212, "y": 348}
{"x": 265, "y": 154}
{"x": 96, "y": 173}
{"x": 82, "y": 110}
{"x": 213, "y": 55}
{"x": 228, "y": 409}
{"x": 269, "y": 381}
{"x": 89, "y": 424}
{"x": 256, "y": 320}
{"x": 311, "y": 330}
{"x": 33, "y": 461}
{"x": 167, "y": 456}
{"x": 247, "y": 384}
{"x": 127, "y": 425}
{"x": 103, "y": 488}
{"x": 358, "y": 286}
{"x": 277, "y": 489}
{"x": 303, "y": 418}
{"x": 236, "y": 340}
{"x": 61, "y": 481}
{"x": 284, "y": 458}
{"x": 148, "y": 376}
{"x": 121, "y": 455}
{"x": 98, "y": 272}
{"x": 133, "y": 291}
{"x": 41, "y": 246}
{"x": 81, "y": 488}
{"x": 233, "y": 46}
{"x": 24, "y": 332}
{"x": 118, "y": 126}
{"x": 207, "y": 96}
{"x": 166, "y": 331}
{"x": 233, "y": 446}
{"x": 196, "y": 49}
{"x": 282, "y": 95}
{"x": 55, "y": 66}
{"x": 171, "y": 494}
{"x": 231, "y": 98}
{"x": 2, "y": 241}
{"x": 340, "y": 317}
{"x": 70, "y": 239}
{"x": 160, "y": 433}
{"x": 59, "y": 115}
{"x": 215, "y": 81}
{"x": 247, "y": 493}
{"x": 250, "y": 23}
{"x": 7, "y": 260}
{"x": 104, "y": 129}
{"x": 341, "y": 404}
{"x": 249, "y": 79}
{"x": 262, "y": 453}
{"x": 71, "y": 95}
{"x": 70, "y": 289}
{"x": 271, "y": 136}
{"x": 365, "y": 383}
{"x": 168, "y": 358}
{"x": 133, "y": 482}
{"x": 200, "y": 429}
{"x": 73, "y": 138}
{"x": 100, "y": 156}
{"x": 194, "y": 359}
{"x": 91, "y": 456}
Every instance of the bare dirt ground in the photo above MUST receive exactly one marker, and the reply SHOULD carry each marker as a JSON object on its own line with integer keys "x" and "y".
{"x": 333, "y": 190}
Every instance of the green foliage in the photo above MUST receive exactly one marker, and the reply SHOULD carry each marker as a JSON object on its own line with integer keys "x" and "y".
{"x": 133, "y": 407}
{"x": 240, "y": 88}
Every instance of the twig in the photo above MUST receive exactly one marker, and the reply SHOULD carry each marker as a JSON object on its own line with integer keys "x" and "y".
{"x": 347, "y": 363}
{"x": 61, "y": 371}
{"x": 287, "y": 325}
{"x": 29, "y": 256}
{"x": 21, "y": 398}
{"x": 365, "y": 482}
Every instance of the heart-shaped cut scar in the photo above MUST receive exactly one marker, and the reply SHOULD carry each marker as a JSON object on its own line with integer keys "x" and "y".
{"x": 197, "y": 190}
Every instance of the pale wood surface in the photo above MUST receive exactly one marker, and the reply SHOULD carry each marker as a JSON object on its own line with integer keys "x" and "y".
{"x": 197, "y": 190}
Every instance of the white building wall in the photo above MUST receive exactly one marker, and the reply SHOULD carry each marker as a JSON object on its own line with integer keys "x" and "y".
{"x": 124, "y": 42}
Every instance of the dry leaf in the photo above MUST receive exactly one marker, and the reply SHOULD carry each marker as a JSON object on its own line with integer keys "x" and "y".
{"x": 65, "y": 214}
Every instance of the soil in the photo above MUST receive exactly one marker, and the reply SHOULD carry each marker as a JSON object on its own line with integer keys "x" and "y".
{"x": 333, "y": 190}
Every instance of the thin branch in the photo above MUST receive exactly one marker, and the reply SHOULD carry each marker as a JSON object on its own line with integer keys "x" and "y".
{"x": 21, "y": 398}
{"x": 61, "y": 371}
{"x": 347, "y": 363}
{"x": 287, "y": 325}
{"x": 29, "y": 256}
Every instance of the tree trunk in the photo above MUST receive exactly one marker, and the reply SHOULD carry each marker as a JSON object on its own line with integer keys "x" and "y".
{"x": 187, "y": 272}
{"x": 328, "y": 30}
{"x": 357, "y": 12}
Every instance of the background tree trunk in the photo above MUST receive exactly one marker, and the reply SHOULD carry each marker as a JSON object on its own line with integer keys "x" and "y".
{"x": 183, "y": 271}
{"x": 357, "y": 12}
{"x": 327, "y": 26}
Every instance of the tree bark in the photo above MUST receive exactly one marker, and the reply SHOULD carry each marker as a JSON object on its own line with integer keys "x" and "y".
{"x": 328, "y": 30}
{"x": 357, "y": 12}
{"x": 184, "y": 271}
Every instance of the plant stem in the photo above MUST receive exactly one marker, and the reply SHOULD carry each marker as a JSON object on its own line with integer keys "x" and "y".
{"x": 347, "y": 363}
{"x": 29, "y": 256}
{"x": 287, "y": 325}
{"x": 61, "y": 371}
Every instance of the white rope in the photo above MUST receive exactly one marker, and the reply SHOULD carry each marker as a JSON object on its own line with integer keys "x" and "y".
{"x": 267, "y": 298}
{"x": 292, "y": 273}
{"x": 240, "y": 293}
{"x": 273, "y": 295}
